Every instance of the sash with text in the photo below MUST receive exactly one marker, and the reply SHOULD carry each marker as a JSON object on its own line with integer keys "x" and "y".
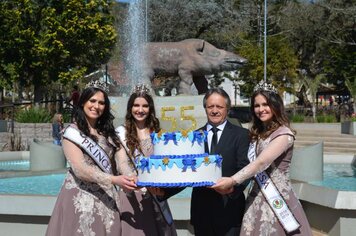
{"x": 273, "y": 197}
{"x": 91, "y": 148}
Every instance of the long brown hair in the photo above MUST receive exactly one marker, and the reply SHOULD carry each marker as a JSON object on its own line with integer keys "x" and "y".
{"x": 104, "y": 124}
{"x": 275, "y": 102}
{"x": 151, "y": 121}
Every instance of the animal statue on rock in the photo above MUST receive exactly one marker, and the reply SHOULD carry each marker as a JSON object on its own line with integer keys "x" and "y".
{"x": 191, "y": 60}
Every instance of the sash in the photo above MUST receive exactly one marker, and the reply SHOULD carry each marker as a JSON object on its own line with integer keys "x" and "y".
{"x": 90, "y": 147}
{"x": 162, "y": 205}
{"x": 273, "y": 197}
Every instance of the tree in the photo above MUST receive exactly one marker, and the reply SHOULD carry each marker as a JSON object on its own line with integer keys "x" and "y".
{"x": 351, "y": 86}
{"x": 282, "y": 64}
{"x": 49, "y": 40}
{"x": 312, "y": 85}
{"x": 213, "y": 20}
{"x": 323, "y": 35}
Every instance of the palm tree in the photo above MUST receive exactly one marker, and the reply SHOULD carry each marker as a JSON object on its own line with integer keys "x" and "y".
{"x": 312, "y": 86}
{"x": 351, "y": 86}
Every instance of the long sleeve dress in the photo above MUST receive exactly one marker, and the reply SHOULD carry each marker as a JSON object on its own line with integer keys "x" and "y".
{"x": 87, "y": 204}
{"x": 274, "y": 156}
{"x": 140, "y": 214}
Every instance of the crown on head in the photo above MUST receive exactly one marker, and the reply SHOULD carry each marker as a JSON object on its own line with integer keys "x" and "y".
{"x": 98, "y": 84}
{"x": 264, "y": 86}
{"x": 141, "y": 88}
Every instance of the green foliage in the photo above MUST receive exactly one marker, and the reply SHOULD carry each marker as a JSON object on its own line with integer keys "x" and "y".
{"x": 43, "y": 40}
{"x": 33, "y": 115}
{"x": 282, "y": 64}
{"x": 297, "y": 118}
{"x": 66, "y": 117}
{"x": 351, "y": 86}
{"x": 326, "y": 118}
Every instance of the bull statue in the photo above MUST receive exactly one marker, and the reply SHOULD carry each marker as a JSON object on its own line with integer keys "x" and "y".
{"x": 191, "y": 59}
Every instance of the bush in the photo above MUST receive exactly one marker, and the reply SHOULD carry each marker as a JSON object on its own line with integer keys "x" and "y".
{"x": 66, "y": 117}
{"x": 297, "y": 118}
{"x": 326, "y": 118}
{"x": 33, "y": 115}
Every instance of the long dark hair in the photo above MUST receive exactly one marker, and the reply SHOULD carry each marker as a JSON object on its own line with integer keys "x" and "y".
{"x": 104, "y": 124}
{"x": 275, "y": 102}
{"x": 151, "y": 121}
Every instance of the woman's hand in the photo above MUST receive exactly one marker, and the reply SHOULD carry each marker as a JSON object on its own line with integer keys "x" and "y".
{"x": 128, "y": 183}
{"x": 224, "y": 185}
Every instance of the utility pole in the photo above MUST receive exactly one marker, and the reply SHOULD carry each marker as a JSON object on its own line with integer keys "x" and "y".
{"x": 265, "y": 44}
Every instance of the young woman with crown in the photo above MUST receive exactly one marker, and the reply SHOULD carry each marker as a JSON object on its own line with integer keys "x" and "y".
{"x": 88, "y": 203}
{"x": 272, "y": 206}
{"x": 141, "y": 213}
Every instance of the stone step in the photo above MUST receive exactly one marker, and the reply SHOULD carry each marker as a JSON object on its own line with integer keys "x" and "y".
{"x": 326, "y": 144}
{"x": 334, "y": 141}
{"x": 333, "y": 150}
{"x": 326, "y": 139}
{"x": 323, "y": 133}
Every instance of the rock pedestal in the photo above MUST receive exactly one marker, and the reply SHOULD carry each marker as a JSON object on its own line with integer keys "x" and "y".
{"x": 46, "y": 156}
{"x": 174, "y": 113}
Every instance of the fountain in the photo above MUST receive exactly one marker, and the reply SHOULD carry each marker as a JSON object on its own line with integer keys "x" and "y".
{"x": 135, "y": 36}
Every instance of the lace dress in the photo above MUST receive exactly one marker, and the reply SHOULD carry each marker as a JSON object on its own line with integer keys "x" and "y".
{"x": 140, "y": 215}
{"x": 275, "y": 155}
{"x": 87, "y": 203}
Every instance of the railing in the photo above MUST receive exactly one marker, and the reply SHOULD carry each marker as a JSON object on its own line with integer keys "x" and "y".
{"x": 60, "y": 105}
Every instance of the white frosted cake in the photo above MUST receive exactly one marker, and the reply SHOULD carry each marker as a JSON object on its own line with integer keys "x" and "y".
{"x": 179, "y": 160}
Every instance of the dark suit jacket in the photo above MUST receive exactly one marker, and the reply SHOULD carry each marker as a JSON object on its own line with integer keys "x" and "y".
{"x": 208, "y": 206}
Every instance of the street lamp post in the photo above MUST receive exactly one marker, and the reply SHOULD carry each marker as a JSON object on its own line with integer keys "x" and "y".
{"x": 265, "y": 44}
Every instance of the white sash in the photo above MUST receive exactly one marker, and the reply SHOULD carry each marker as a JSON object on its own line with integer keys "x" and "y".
{"x": 91, "y": 148}
{"x": 273, "y": 197}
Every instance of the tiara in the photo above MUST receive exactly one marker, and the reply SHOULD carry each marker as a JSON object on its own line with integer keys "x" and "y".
{"x": 98, "y": 84}
{"x": 141, "y": 88}
{"x": 264, "y": 86}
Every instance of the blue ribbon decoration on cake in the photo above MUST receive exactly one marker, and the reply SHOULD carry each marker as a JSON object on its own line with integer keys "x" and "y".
{"x": 198, "y": 136}
{"x": 171, "y": 185}
{"x": 154, "y": 137}
{"x": 193, "y": 136}
{"x": 181, "y": 161}
{"x": 170, "y": 136}
{"x": 144, "y": 164}
{"x": 218, "y": 160}
{"x": 189, "y": 162}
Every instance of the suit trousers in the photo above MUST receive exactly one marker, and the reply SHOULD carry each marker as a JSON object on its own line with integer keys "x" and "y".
{"x": 210, "y": 230}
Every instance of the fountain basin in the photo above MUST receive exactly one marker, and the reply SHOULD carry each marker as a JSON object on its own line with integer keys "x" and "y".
{"x": 14, "y": 155}
{"x": 18, "y": 217}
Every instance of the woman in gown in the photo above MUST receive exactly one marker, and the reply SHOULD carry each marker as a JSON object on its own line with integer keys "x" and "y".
{"x": 140, "y": 213}
{"x": 88, "y": 201}
{"x": 273, "y": 139}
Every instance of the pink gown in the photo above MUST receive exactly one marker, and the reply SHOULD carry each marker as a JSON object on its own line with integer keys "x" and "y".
{"x": 87, "y": 207}
{"x": 140, "y": 215}
{"x": 259, "y": 219}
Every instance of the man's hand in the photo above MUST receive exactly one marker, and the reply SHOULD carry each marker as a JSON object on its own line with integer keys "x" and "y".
{"x": 156, "y": 191}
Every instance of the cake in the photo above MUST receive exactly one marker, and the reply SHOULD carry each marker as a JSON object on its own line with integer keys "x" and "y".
{"x": 179, "y": 160}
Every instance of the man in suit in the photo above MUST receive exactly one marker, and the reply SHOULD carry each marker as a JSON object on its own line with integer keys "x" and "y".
{"x": 220, "y": 213}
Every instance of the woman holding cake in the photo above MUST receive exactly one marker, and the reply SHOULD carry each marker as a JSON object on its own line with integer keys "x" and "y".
{"x": 88, "y": 201}
{"x": 140, "y": 211}
{"x": 272, "y": 206}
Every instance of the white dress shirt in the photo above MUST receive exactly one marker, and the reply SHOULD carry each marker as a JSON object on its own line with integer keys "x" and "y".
{"x": 210, "y": 132}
